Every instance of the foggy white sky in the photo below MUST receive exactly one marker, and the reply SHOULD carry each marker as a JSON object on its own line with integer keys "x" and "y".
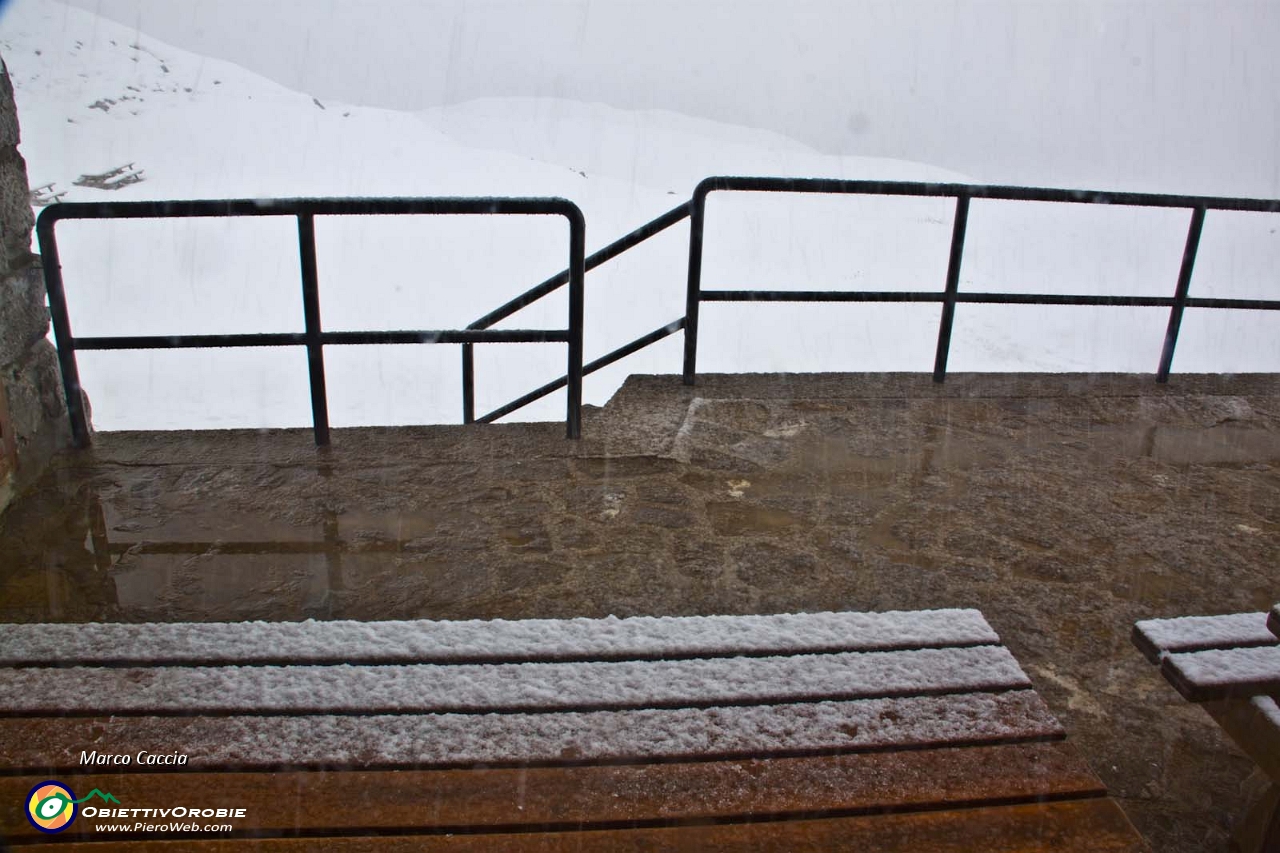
{"x": 1155, "y": 94}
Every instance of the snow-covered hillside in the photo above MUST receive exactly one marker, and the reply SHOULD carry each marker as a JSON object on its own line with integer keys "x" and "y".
{"x": 1147, "y": 95}
{"x": 94, "y": 96}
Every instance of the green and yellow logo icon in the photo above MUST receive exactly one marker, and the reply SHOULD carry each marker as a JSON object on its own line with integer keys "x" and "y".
{"x": 51, "y": 806}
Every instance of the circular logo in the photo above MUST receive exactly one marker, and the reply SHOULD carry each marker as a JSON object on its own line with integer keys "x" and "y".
{"x": 51, "y": 806}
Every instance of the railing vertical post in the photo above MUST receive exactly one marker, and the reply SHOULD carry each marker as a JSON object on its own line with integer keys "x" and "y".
{"x": 1180, "y": 297}
{"x": 953, "y": 286}
{"x": 693, "y": 295}
{"x": 468, "y": 384}
{"x": 311, "y": 312}
{"x": 62, "y": 331}
{"x": 577, "y": 282}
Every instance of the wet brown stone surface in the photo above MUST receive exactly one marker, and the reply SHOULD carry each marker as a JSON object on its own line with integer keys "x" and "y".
{"x": 1065, "y": 508}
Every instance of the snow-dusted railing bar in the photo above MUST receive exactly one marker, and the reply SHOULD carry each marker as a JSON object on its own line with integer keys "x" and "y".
{"x": 995, "y": 192}
{"x": 1120, "y": 301}
{"x": 457, "y": 740}
{"x": 1234, "y": 673}
{"x": 979, "y": 298}
{"x": 1159, "y": 637}
{"x": 1273, "y": 620}
{"x": 497, "y": 641}
{"x": 505, "y": 688}
{"x": 314, "y": 338}
{"x": 278, "y": 339}
{"x": 820, "y": 296}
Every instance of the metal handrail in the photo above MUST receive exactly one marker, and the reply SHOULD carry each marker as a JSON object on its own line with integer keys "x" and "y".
{"x": 634, "y": 238}
{"x": 314, "y": 338}
{"x": 950, "y": 296}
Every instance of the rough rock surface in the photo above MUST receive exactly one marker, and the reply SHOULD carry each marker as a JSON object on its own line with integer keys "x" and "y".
{"x": 32, "y": 413}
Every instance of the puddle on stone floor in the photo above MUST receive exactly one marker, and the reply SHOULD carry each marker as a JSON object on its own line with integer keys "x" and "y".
{"x": 844, "y": 447}
{"x": 74, "y": 552}
{"x": 736, "y": 518}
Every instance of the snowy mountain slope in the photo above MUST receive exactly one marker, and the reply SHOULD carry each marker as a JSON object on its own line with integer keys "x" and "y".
{"x": 653, "y": 148}
{"x": 1144, "y": 95}
{"x": 93, "y": 96}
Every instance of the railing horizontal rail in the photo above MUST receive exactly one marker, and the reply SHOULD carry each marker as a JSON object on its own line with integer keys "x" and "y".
{"x": 319, "y": 206}
{"x": 314, "y": 338}
{"x": 979, "y": 298}
{"x": 981, "y": 191}
{"x": 285, "y": 339}
{"x": 1239, "y": 304}
{"x": 452, "y": 336}
{"x": 820, "y": 296}
{"x": 1065, "y": 299}
{"x": 130, "y": 342}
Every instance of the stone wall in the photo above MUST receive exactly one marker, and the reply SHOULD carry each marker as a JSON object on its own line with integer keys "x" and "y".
{"x": 33, "y": 419}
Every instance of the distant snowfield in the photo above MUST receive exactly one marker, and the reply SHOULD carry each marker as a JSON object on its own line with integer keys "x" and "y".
{"x": 93, "y": 95}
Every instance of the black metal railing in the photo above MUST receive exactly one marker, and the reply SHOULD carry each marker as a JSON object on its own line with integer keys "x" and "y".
{"x": 480, "y": 331}
{"x": 950, "y": 295}
{"x": 314, "y": 338}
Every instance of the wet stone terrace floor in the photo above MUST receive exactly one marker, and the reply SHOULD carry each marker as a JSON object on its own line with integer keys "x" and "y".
{"x": 1064, "y": 507}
